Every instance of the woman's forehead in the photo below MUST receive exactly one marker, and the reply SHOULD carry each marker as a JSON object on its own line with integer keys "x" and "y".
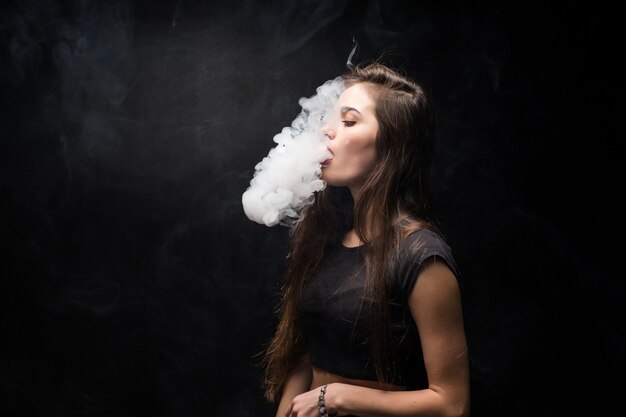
{"x": 356, "y": 97}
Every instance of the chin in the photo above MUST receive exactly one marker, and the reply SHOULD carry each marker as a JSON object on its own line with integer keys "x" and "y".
{"x": 333, "y": 183}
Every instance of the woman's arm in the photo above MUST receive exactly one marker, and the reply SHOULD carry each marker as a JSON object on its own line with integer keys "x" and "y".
{"x": 298, "y": 381}
{"x": 435, "y": 303}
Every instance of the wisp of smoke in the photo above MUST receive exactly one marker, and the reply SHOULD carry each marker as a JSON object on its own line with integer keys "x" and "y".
{"x": 285, "y": 181}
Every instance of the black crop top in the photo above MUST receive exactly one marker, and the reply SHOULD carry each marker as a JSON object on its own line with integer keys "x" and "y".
{"x": 334, "y": 325}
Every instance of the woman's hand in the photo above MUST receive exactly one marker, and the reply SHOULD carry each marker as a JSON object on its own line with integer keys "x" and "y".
{"x": 305, "y": 405}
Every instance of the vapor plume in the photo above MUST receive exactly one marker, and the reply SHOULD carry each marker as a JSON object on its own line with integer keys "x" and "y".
{"x": 285, "y": 181}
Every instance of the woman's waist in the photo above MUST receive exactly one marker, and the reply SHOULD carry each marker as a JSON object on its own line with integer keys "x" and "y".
{"x": 323, "y": 376}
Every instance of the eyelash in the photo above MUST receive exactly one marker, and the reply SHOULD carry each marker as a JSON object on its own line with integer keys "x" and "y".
{"x": 348, "y": 123}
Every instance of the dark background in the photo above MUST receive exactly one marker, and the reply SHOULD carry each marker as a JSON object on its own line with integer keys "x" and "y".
{"x": 132, "y": 282}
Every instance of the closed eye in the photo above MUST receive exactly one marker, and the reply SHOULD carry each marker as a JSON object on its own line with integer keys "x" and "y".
{"x": 348, "y": 123}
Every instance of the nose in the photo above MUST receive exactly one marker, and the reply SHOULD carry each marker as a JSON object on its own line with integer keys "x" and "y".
{"x": 326, "y": 130}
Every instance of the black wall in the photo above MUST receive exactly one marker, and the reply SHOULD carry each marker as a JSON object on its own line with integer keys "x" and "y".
{"x": 132, "y": 282}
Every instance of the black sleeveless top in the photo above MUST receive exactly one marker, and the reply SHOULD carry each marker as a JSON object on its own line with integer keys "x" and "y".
{"x": 335, "y": 321}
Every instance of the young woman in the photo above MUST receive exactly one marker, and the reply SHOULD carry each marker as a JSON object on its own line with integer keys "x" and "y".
{"x": 371, "y": 320}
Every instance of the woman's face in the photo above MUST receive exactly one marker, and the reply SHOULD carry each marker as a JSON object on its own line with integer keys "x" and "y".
{"x": 352, "y": 130}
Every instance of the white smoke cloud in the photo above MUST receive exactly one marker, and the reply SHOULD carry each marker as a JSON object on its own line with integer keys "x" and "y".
{"x": 285, "y": 181}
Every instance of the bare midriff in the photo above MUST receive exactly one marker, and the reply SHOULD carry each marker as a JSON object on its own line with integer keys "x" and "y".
{"x": 322, "y": 377}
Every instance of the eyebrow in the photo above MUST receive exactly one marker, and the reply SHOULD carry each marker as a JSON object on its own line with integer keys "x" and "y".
{"x": 346, "y": 109}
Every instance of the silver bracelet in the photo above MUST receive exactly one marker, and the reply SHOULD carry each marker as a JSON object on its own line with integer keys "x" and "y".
{"x": 321, "y": 404}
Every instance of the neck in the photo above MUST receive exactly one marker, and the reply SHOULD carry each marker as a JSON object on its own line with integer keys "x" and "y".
{"x": 352, "y": 239}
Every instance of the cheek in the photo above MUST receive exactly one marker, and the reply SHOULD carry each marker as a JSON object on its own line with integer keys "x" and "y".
{"x": 360, "y": 147}
{"x": 360, "y": 157}
{"x": 358, "y": 141}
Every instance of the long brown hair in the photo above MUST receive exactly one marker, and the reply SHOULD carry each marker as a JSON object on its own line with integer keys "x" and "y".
{"x": 399, "y": 183}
